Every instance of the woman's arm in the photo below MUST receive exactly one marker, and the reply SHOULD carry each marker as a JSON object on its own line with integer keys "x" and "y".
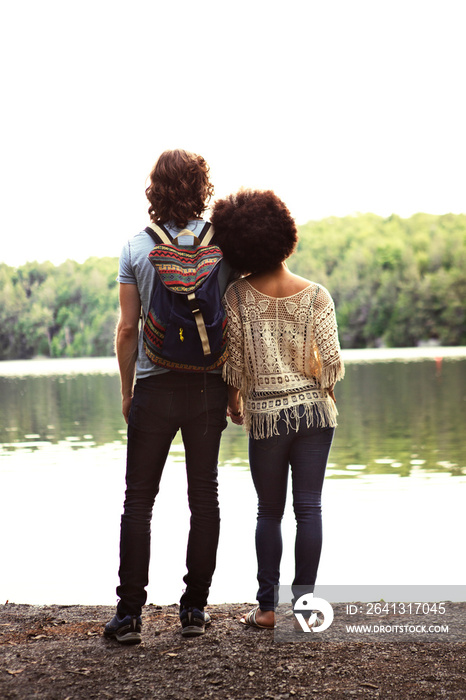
{"x": 326, "y": 338}
{"x": 234, "y": 410}
{"x": 233, "y": 369}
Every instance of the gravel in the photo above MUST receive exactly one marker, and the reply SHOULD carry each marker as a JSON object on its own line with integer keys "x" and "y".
{"x": 59, "y": 652}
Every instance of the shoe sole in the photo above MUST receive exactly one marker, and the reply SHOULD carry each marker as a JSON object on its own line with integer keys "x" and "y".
{"x": 192, "y": 631}
{"x": 129, "y": 638}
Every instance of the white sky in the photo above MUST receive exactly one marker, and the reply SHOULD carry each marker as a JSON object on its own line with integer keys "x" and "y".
{"x": 340, "y": 106}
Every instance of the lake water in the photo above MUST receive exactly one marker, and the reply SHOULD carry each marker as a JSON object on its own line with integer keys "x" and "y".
{"x": 393, "y": 499}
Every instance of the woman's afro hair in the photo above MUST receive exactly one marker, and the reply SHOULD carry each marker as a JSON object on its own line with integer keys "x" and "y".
{"x": 254, "y": 230}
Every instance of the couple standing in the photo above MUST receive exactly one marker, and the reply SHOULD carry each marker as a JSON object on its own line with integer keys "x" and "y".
{"x": 283, "y": 362}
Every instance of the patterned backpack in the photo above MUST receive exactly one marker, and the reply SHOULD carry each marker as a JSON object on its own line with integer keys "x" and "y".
{"x": 185, "y": 328}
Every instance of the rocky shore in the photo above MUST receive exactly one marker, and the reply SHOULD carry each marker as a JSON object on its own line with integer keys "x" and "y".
{"x": 59, "y": 652}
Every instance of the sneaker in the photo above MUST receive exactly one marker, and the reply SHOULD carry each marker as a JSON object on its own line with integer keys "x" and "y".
{"x": 193, "y": 622}
{"x": 126, "y": 630}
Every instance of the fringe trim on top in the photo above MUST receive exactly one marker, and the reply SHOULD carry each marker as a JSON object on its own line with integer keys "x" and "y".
{"x": 320, "y": 414}
{"x": 264, "y": 424}
{"x": 331, "y": 374}
{"x": 233, "y": 376}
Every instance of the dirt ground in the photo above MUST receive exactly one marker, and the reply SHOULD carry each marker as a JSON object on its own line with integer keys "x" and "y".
{"x": 59, "y": 652}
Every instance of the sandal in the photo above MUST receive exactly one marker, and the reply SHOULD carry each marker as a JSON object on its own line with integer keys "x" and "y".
{"x": 250, "y": 620}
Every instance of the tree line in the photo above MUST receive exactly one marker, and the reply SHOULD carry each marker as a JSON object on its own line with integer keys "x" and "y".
{"x": 69, "y": 310}
{"x": 395, "y": 282}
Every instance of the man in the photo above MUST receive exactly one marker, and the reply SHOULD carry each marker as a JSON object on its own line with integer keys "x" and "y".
{"x": 161, "y": 402}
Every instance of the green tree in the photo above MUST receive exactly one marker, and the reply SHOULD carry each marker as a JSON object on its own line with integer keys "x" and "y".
{"x": 395, "y": 282}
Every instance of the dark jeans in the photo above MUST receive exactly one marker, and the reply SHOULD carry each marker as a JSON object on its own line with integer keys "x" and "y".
{"x": 162, "y": 404}
{"x": 306, "y": 451}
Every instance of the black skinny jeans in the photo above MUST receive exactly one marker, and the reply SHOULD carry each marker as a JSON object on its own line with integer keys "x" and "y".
{"x": 195, "y": 404}
{"x": 306, "y": 452}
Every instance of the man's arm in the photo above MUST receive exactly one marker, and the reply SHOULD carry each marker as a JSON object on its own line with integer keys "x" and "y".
{"x": 126, "y": 343}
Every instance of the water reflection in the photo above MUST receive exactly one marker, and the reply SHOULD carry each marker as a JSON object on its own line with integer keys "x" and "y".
{"x": 53, "y": 409}
{"x": 397, "y": 418}
{"x": 401, "y": 418}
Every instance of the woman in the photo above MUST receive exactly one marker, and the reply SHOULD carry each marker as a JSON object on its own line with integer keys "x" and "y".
{"x": 284, "y": 360}
{"x": 160, "y": 403}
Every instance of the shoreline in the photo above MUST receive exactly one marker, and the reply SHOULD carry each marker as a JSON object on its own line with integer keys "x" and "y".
{"x": 46, "y": 366}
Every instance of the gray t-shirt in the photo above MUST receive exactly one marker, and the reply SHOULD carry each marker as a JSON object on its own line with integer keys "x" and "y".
{"x": 135, "y": 268}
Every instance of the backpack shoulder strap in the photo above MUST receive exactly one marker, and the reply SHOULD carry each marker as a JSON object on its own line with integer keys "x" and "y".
{"x": 207, "y": 234}
{"x": 201, "y": 239}
{"x": 204, "y": 237}
{"x": 160, "y": 232}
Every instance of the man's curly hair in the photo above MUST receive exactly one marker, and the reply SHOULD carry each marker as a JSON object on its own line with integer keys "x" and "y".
{"x": 254, "y": 229}
{"x": 179, "y": 188}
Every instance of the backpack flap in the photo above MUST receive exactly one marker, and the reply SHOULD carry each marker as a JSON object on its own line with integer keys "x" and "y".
{"x": 183, "y": 270}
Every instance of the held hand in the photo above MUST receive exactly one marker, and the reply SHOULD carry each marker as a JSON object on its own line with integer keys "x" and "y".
{"x": 235, "y": 415}
{"x": 331, "y": 394}
{"x": 126, "y": 405}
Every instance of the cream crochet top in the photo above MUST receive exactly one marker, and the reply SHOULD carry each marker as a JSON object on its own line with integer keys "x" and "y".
{"x": 283, "y": 355}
